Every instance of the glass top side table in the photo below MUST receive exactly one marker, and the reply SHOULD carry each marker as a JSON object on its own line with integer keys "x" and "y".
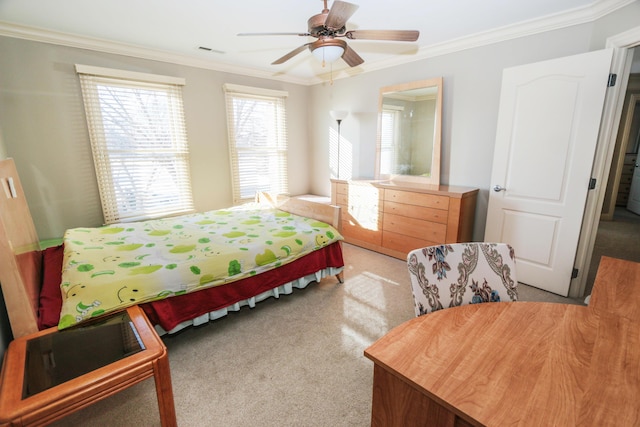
{"x": 53, "y": 373}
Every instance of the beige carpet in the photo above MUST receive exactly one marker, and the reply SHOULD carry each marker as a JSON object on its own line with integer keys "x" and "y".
{"x": 296, "y": 361}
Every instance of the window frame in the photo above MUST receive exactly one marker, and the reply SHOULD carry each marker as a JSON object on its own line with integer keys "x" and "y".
{"x": 158, "y": 148}
{"x": 273, "y": 146}
{"x": 389, "y": 138}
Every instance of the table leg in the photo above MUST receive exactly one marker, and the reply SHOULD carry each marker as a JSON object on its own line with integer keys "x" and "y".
{"x": 162, "y": 376}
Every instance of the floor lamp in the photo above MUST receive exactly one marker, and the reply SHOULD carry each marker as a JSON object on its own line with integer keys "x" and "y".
{"x": 339, "y": 116}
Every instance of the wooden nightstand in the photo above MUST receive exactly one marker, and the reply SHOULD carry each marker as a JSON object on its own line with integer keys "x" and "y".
{"x": 52, "y": 373}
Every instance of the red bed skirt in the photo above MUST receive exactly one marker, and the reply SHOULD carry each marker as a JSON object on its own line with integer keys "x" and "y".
{"x": 170, "y": 312}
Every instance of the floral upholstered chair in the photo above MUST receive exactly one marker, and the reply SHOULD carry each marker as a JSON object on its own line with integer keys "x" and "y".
{"x": 462, "y": 273}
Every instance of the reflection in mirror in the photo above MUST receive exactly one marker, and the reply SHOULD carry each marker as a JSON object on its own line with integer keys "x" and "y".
{"x": 409, "y": 132}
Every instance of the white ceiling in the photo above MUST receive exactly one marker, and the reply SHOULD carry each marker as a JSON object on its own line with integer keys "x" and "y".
{"x": 173, "y": 30}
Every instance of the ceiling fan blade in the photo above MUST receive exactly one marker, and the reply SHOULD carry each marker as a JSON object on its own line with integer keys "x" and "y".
{"x": 339, "y": 14}
{"x": 351, "y": 57}
{"x": 273, "y": 34}
{"x": 393, "y": 35}
{"x": 290, "y": 55}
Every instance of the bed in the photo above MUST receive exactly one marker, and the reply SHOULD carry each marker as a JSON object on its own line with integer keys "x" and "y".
{"x": 293, "y": 242}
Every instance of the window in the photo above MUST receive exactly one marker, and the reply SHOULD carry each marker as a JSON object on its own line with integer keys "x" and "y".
{"x": 139, "y": 143}
{"x": 256, "y": 123}
{"x": 389, "y": 133}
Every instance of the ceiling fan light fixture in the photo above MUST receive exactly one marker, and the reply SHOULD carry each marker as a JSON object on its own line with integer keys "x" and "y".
{"x": 328, "y": 53}
{"x": 328, "y": 50}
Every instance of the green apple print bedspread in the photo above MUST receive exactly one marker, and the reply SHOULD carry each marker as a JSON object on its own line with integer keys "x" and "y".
{"x": 109, "y": 268}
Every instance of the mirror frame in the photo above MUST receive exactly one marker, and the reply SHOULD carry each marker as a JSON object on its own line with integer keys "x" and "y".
{"x": 434, "y": 178}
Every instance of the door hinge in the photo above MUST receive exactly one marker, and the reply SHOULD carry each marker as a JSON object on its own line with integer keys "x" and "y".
{"x": 612, "y": 80}
{"x": 592, "y": 183}
{"x": 574, "y": 273}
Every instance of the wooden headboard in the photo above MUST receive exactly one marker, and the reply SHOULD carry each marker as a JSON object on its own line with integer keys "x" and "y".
{"x": 20, "y": 256}
{"x": 304, "y": 207}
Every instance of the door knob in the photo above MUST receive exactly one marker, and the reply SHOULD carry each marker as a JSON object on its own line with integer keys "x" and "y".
{"x": 498, "y": 188}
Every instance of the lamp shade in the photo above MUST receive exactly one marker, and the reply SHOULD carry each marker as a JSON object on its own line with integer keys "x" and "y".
{"x": 328, "y": 49}
{"x": 338, "y": 115}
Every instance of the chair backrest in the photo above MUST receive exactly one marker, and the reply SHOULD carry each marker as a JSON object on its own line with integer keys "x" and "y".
{"x": 450, "y": 275}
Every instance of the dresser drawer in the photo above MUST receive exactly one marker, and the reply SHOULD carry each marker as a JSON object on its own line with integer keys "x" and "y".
{"x": 418, "y": 228}
{"x": 413, "y": 211}
{"x": 418, "y": 199}
{"x": 624, "y": 188}
{"x": 404, "y": 244}
{"x": 369, "y": 219}
{"x": 626, "y": 178}
{"x": 359, "y": 193}
{"x": 351, "y": 229}
{"x": 359, "y": 203}
{"x": 622, "y": 199}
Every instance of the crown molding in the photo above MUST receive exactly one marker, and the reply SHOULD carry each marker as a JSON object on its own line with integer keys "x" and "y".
{"x": 560, "y": 20}
{"x": 629, "y": 38}
{"x": 577, "y": 16}
{"x": 106, "y": 46}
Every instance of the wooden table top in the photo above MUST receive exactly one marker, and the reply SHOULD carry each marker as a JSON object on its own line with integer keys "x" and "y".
{"x": 616, "y": 288}
{"x": 521, "y": 363}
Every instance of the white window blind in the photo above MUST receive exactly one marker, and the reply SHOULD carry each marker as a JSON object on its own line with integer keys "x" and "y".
{"x": 256, "y": 122}
{"x": 139, "y": 143}
{"x": 389, "y": 132}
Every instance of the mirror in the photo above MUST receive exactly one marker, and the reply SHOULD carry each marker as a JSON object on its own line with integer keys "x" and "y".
{"x": 409, "y": 132}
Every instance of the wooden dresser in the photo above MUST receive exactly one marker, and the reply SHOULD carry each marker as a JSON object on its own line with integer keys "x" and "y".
{"x": 394, "y": 218}
{"x": 630, "y": 160}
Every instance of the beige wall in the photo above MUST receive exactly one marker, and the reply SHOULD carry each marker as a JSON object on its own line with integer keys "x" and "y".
{"x": 44, "y": 130}
{"x": 472, "y": 81}
{"x": 3, "y": 150}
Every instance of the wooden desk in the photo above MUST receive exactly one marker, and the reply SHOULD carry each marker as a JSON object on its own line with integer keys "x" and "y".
{"x": 48, "y": 402}
{"x": 616, "y": 288}
{"x": 515, "y": 364}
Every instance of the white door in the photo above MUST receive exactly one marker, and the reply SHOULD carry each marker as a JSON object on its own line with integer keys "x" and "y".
{"x": 547, "y": 131}
{"x": 633, "y": 204}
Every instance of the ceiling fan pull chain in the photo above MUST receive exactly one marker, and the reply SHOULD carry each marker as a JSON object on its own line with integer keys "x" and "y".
{"x": 331, "y": 74}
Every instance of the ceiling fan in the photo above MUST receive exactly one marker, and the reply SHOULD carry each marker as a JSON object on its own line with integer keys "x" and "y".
{"x": 328, "y": 27}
